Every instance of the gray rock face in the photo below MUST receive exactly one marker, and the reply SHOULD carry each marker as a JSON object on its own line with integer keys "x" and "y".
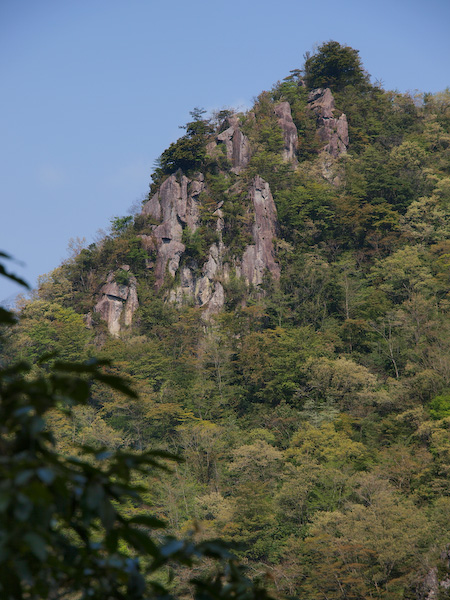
{"x": 176, "y": 206}
{"x": 236, "y": 143}
{"x": 436, "y": 583}
{"x": 205, "y": 289}
{"x": 430, "y": 586}
{"x": 117, "y": 303}
{"x": 333, "y": 132}
{"x": 260, "y": 256}
{"x": 283, "y": 112}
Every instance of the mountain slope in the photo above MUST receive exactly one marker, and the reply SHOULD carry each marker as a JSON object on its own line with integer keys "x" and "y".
{"x": 281, "y": 304}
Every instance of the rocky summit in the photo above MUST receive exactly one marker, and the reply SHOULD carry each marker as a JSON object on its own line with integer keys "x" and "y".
{"x": 176, "y": 207}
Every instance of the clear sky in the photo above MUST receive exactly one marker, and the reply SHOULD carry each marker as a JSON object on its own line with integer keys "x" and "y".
{"x": 94, "y": 90}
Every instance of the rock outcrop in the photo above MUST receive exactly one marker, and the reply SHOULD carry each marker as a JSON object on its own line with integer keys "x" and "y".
{"x": 436, "y": 583}
{"x": 260, "y": 256}
{"x": 204, "y": 289}
{"x": 283, "y": 112}
{"x": 333, "y": 132}
{"x": 117, "y": 303}
{"x": 176, "y": 206}
{"x": 237, "y": 145}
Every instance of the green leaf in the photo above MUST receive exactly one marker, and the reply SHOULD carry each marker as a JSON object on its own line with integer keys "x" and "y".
{"x": 36, "y": 544}
{"x": 94, "y": 495}
{"x": 46, "y": 475}
{"x": 103, "y": 454}
{"x": 23, "y": 476}
{"x": 141, "y": 541}
{"x": 149, "y": 521}
{"x": 7, "y": 317}
{"x": 23, "y": 507}
{"x": 172, "y": 547}
{"x": 107, "y": 514}
{"x": 5, "y": 499}
{"x": 117, "y": 383}
{"x": 12, "y": 276}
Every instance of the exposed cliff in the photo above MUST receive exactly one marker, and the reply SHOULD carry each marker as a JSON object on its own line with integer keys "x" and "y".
{"x": 259, "y": 257}
{"x": 285, "y": 121}
{"x": 333, "y": 132}
{"x": 176, "y": 205}
{"x": 175, "y": 210}
{"x": 117, "y": 303}
{"x": 237, "y": 145}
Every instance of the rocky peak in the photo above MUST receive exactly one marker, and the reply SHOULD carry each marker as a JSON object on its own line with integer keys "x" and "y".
{"x": 117, "y": 303}
{"x": 333, "y": 132}
{"x": 237, "y": 145}
{"x": 283, "y": 112}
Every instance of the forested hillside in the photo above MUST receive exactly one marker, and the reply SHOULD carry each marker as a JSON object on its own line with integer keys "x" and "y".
{"x": 281, "y": 305}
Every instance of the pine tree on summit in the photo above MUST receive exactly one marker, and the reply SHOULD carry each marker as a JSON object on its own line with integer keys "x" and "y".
{"x": 334, "y": 66}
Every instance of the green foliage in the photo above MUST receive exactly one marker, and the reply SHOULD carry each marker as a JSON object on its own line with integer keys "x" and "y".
{"x": 49, "y": 327}
{"x": 267, "y": 142}
{"x": 124, "y": 250}
{"x": 198, "y": 242}
{"x": 440, "y": 407}
{"x": 303, "y": 204}
{"x": 64, "y": 527}
{"x": 312, "y": 413}
{"x": 264, "y": 131}
{"x": 236, "y": 234}
{"x": 122, "y": 277}
{"x": 119, "y": 225}
{"x": 334, "y": 66}
{"x": 235, "y": 290}
{"x": 188, "y": 153}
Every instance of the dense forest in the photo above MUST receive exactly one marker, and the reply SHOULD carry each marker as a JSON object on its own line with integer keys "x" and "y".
{"x": 281, "y": 307}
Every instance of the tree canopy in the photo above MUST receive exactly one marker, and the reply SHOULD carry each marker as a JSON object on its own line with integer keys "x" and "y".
{"x": 334, "y": 66}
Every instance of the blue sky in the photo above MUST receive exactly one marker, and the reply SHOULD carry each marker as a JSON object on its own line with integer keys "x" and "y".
{"x": 94, "y": 90}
